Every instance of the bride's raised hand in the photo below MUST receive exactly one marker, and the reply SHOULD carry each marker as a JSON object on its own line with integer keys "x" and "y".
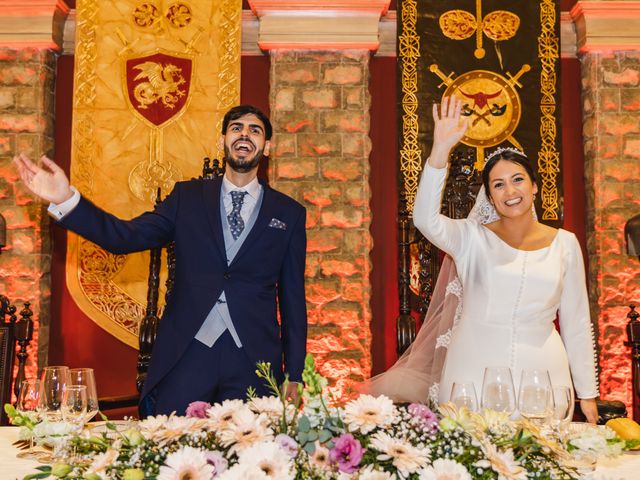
{"x": 449, "y": 128}
{"x": 48, "y": 181}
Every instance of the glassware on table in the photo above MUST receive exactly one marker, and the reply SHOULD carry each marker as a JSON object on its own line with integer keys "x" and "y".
{"x": 52, "y": 384}
{"x": 535, "y": 397}
{"x": 85, "y": 376}
{"x": 463, "y": 394}
{"x": 74, "y": 405}
{"x": 562, "y": 408}
{"x": 498, "y": 392}
{"x": 27, "y": 403}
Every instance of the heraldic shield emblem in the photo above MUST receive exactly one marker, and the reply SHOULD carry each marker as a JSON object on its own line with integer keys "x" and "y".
{"x": 158, "y": 85}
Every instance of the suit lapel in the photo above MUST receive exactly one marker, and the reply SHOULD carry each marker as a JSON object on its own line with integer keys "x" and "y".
{"x": 266, "y": 213}
{"x": 211, "y": 202}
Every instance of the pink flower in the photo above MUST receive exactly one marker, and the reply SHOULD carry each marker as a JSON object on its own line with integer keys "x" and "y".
{"x": 288, "y": 444}
{"x": 347, "y": 453}
{"x": 428, "y": 419}
{"x": 217, "y": 460}
{"x": 198, "y": 409}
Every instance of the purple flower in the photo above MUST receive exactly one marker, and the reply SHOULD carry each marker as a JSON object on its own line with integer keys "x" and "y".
{"x": 288, "y": 444}
{"x": 198, "y": 409}
{"x": 218, "y": 461}
{"x": 347, "y": 453}
{"x": 423, "y": 413}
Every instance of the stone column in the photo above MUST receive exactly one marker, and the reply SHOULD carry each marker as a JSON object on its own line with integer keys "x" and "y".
{"x": 30, "y": 35}
{"x": 319, "y": 103}
{"x": 608, "y": 36}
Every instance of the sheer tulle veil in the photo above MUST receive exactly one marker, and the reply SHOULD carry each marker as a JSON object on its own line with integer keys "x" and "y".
{"x": 415, "y": 377}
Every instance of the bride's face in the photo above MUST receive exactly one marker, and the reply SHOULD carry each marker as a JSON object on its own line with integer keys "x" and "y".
{"x": 511, "y": 189}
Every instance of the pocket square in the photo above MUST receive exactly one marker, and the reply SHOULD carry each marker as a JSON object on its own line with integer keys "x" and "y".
{"x": 275, "y": 223}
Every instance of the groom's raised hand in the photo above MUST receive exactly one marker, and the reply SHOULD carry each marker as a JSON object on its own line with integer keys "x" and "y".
{"x": 48, "y": 181}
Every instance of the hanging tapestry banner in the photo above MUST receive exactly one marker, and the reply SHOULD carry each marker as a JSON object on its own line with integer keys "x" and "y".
{"x": 502, "y": 60}
{"x": 152, "y": 82}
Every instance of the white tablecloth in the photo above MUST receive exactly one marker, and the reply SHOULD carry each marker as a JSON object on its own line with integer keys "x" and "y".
{"x": 625, "y": 467}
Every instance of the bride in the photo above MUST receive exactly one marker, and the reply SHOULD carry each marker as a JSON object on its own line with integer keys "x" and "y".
{"x": 516, "y": 274}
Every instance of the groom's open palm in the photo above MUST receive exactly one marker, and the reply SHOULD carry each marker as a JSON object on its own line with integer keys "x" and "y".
{"x": 48, "y": 181}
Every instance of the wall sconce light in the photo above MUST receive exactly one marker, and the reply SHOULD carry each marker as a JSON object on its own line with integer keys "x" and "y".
{"x": 3, "y": 233}
{"x": 632, "y": 236}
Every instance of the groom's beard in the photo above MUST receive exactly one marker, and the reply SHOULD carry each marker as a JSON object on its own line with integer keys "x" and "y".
{"x": 243, "y": 165}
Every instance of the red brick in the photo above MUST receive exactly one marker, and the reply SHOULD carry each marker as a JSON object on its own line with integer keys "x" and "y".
{"x": 627, "y": 77}
{"x": 296, "y": 168}
{"x": 345, "y": 121}
{"x": 7, "y": 54}
{"x": 341, "y": 268}
{"x": 320, "y": 98}
{"x": 319, "y": 145}
{"x": 342, "y": 217}
{"x": 343, "y": 74}
{"x": 324, "y": 240}
{"x": 19, "y": 217}
{"x": 356, "y": 145}
{"x": 341, "y": 315}
{"x": 22, "y": 123}
{"x": 297, "y": 73}
{"x": 29, "y": 98}
{"x": 23, "y": 242}
{"x": 630, "y": 99}
{"x": 357, "y": 241}
{"x": 284, "y": 100}
{"x": 354, "y": 97}
{"x": 312, "y": 266}
{"x": 313, "y": 217}
{"x": 609, "y": 146}
{"x": 296, "y": 121}
{"x": 357, "y": 196}
{"x": 285, "y": 145}
{"x": 341, "y": 169}
{"x": 325, "y": 343}
{"x": 320, "y": 292}
{"x": 619, "y": 124}
{"x": 609, "y": 100}
{"x": 18, "y": 75}
{"x": 356, "y": 291}
{"x": 632, "y": 149}
{"x": 7, "y": 98}
{"x": 7, "y": 144}
{"x": 321, "y": 195}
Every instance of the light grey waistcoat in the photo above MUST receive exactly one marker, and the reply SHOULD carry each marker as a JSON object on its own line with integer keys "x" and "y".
{"x": 219, "y": 319}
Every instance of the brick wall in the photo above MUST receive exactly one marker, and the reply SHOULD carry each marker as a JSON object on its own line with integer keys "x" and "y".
{"x": 26, "y": 125}
{"x": 611, "y": 102}
{"x": 320, "y": 112}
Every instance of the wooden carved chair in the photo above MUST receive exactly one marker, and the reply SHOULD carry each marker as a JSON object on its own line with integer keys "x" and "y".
{"x": 12, "y": 332}
{"x": 149, "y": 324}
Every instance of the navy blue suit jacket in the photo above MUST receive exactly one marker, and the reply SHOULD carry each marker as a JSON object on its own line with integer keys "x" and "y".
{"x": 266, "y": 273}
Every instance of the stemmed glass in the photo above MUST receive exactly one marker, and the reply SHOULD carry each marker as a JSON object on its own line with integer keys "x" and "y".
{"x": 563, "y": 408}
{"x": 535, "y": 398}
{"x": 84, "y": 376}
{"x": 52, "y": 385}
{"x": 497, "y": 390}
{"x": 463, "y": 394}
{"x": 74, "y": 405}
{"x": 28, "y": 396}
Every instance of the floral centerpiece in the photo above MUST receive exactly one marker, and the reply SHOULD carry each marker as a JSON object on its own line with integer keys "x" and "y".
{"x": 369, "y": 438}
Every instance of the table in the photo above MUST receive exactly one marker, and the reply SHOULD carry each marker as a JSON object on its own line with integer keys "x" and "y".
{"x": 624, "y": 467}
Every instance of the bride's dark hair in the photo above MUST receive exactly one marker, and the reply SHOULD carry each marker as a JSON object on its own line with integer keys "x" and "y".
{"x": 510, "y": 156}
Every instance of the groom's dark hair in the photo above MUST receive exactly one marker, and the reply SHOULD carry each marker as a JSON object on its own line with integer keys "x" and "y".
{"x": 242, "y": 110}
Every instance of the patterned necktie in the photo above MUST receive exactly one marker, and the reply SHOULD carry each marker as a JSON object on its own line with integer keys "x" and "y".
{"x": 235, "y": 220}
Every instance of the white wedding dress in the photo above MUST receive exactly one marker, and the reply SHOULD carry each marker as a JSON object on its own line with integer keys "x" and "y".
{"x": 510, "y": 301}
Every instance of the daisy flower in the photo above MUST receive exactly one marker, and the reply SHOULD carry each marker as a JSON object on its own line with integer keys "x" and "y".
{"x": 222, "y": 414}
{"x": 444, "y": 469}
{"x": 503, "y": 463}
{"x": 404, "y": 456}
{"x": 269, "y": 457}
{"x": 187, "y": 463}
{"x": 246, "y": 429}
{"x": 367, "y": 413}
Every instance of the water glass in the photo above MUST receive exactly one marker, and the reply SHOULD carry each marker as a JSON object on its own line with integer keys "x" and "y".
{"x": 27, "y": 403}
{"x": 498, "y": 392}
{"x": 463, "y": 394}
{"x": 74, "y": 405}
{"x": 84, "y": 376}
{"x": 52, "y": 384}
{"x": 535, "y": 397}
{"x": 563, "y": 408}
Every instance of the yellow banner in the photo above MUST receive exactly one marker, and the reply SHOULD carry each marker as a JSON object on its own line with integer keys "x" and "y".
{"x": 153, "y": 80}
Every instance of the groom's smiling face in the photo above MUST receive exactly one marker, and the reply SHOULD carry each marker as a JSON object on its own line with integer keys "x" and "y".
{"x": 244, "y": 143}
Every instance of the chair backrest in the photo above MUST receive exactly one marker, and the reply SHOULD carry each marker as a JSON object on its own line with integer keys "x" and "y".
{"x": 149, "y": 324}
{"x": 7, "y": 352}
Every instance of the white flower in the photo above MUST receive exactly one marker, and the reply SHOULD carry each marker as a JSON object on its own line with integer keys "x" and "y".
{"x": 270, "y": 458}
{"x": 186, "y": 463}
{"x": 594, "y": 441}
{"x": 404, "y": 456}
{"x": 150, "y": 425}
{"x": 370, "y": 473}
{"x": 271, "y": 407}
{"x": 49, "y": 430}
{"x": 101, "y": 462}
{"x": 503, "y": 463}
{"x": 367, "y": 412}
{"x": 443, "y": 469}
{"x": 221, "y": 415}
{"x": 162, "y": 429}
{"x": 319, "y": 459}
{"x": 246, "y": 429}
{"x": 244, "y": 472}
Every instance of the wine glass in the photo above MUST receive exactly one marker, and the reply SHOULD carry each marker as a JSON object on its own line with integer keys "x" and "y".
{"x": 27, "y": 403}
{"x": 497, "y": 390}
{"x": 84, "y": 376}
{"x": 463, "y": 394}
{"x": 52, "y": 384}
{"x": 563, "y": 408}
{"x": 74, "y": 405}
{"x": 535, "y": 397}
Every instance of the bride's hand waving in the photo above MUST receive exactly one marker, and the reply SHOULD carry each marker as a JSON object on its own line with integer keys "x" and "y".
{"x": 448, "y": 130}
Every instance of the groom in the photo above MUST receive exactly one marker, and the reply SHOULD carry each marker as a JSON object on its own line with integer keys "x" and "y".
{"x": 240, "y": 251}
